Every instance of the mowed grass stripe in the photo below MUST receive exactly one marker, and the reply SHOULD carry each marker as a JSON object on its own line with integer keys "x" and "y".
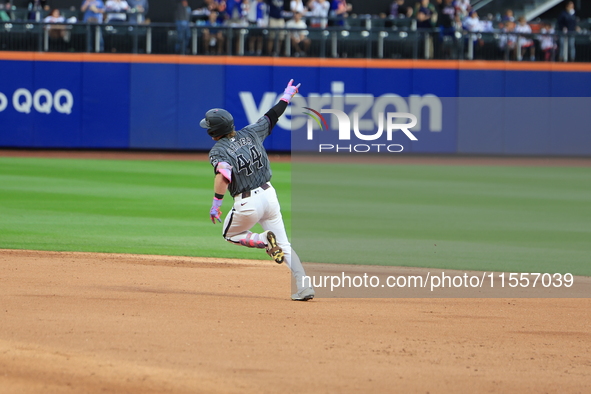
{"x": 463, "y": 217}
{"x": 129, "y": 206}
{"x": 479, "y": 217}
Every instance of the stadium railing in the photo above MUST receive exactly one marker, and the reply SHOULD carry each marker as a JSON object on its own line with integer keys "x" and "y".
{"x": 365, "y": 39}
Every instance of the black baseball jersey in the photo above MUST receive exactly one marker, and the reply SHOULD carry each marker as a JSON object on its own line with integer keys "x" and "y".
{"x": 247, "y": 156}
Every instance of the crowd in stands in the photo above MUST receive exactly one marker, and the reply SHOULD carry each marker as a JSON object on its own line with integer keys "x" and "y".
{"x": 448, "y": 16}
{"x": 92, "y": 11}
{"x": 447, "y": 19}
{"x": 451, "y": 16}
{"x": 296, "y": 15}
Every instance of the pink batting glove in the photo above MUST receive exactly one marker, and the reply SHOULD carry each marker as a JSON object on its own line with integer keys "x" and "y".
{"x": 290, "y": 91}
{"x": 214, "y": 212}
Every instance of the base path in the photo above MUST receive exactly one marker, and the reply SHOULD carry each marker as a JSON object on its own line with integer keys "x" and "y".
{"x": 90, "y": 323}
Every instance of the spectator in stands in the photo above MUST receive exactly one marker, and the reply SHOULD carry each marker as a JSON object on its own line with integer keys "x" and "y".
{"x": 218, "y": 6}
{"x": 463, "y": 8}
{"x": 139, "y": 10}
{"x": 37, "y": 4}
{"x": 299, "y": 38}
{"x": 201, "y": 11}
{"x": 447, "y": 20}
{"x": 340, "y": 11}
{"x": 36, "y": 7}
{"x": 251, "y": 14}
{"x": 525, "y": 42}
{"x": 297, "y": 6}
{"x": 448, "y": 16}
{"x": 259, "y": 18}
{"x": 472, "y": 23}
{"x": 116, "y": 11}
{"x": 56, "y": 31}
{"x": 213, "y": 37}
{"x": 547, "y": 43}
{"x": 399, "y": 10}
{"x": 236, "y": 13}
{"x": 509, "y": 17}
{"x": 508, "y": 41}
{"x": 54, "y": 17}
{"x": 182, "y": 16}
{"x": 487, "y": 25}
{"x": 93, "y": 11}
{"x": 276, "y": 21}
{"x": 211, "y": 5}
{"x": 233, "y": 9}
{"x": 236, "y": 16}
{"x": 6, "y": 14}
{"x": 426, "y": 14}
{"x": 319, "y": 12}
{"x": 567, "y": 24}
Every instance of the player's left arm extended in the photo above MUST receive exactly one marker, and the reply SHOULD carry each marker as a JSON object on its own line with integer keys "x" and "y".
{"x": 274, "y": 113}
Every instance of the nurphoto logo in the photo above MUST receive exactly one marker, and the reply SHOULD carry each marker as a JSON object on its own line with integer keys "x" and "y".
{"x": 345, "y": 128}
{"x": 317, "y": 117}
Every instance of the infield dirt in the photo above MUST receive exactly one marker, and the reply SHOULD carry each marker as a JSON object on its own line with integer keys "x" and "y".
{"x": 87, "y": 322}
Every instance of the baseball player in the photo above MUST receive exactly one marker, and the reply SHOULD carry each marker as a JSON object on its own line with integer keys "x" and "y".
{"x": 241, "y": 166}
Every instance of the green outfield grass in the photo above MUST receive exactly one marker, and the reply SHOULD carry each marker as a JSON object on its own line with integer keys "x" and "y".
{"x": 527, "y": 219}
{"x": 127, "y": 206}
{"x": 465, "y": 217}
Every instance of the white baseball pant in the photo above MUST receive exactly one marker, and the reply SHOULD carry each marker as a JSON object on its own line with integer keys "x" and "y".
{"x": 262, "y": 207}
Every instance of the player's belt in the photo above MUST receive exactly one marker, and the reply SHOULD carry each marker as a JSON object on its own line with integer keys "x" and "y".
{"x": 246, "y": 194}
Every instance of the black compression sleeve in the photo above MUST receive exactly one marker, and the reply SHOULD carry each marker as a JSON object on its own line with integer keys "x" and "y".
{"x": 274, "y": 113}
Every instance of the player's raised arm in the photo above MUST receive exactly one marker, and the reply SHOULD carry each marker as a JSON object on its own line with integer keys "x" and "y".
{"x": 290, "y": 91}
{"x": 274, "y": 113}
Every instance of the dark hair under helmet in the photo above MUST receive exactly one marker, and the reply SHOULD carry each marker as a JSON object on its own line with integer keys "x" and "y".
{"x": 218, "y": 122}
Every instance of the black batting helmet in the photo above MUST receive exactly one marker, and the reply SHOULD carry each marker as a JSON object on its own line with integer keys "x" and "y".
{"x": 218, "y": 122}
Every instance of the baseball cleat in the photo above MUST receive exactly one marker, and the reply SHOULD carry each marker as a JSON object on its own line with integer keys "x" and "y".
{"x": 273, "y": 249}
{"x": 303, "y": 295}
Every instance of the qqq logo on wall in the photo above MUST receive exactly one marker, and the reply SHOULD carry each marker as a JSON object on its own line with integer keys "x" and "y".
{"x": 42, "y": 101}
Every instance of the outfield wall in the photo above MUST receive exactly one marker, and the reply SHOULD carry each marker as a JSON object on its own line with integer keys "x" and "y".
{"x": 50, "y": 100}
